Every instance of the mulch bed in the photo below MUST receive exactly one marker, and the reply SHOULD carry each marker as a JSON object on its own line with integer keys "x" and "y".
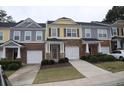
{"x": 55, "y": 65}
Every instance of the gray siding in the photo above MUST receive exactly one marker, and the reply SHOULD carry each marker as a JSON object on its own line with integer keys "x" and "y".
{"x": 94, "y": 33}
{"x": 22, "y": 32}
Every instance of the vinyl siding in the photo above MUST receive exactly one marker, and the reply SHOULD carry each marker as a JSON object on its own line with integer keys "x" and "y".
{"x": 6, "y": 34}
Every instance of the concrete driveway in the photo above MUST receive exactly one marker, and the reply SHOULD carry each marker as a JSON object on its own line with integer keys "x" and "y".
{"x": 25, "y": 75}
{"x": 87, "y": 69}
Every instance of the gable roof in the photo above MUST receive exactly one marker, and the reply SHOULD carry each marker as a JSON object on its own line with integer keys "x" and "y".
{"x": 28, "y": 23}
{"x": 11, "y": 43}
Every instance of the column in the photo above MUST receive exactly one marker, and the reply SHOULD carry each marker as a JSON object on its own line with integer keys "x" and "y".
{"x": 99, "y": 47}
{"x": 19, "y": 53}
{"x": 62, "y": 48}
{"x": 87, "y": 48}
{"x": 4, "y": 52}
{"x": 118, "y": 44}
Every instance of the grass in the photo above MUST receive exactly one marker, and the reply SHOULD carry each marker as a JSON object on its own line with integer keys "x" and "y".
{"x": 57, "y": 74}
{"x": 8, "y": 73}
{"x": 115, "y": 66}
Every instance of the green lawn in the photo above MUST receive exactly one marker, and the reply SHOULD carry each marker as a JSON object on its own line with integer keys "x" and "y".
{"x": 57, "y": 74}
{"x": 8, "y": 73}
{"x": 112, "y": 66}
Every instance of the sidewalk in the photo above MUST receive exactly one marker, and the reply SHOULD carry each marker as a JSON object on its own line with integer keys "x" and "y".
{"x": 25, "y": 75}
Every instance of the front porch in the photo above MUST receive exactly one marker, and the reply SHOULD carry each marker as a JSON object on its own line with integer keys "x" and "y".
{"x": 54, "y": 49}
{"x": 91, "y": 46}
{"x": 11, "y": 50}
{"x": 117, "y": 43}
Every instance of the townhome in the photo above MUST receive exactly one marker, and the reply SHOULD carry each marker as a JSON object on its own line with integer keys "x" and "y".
{"x": 4, "y": 35}
{"x": 118, "y": 35}
{"x": 96, "y": 38}
{"x": 67, "y": 38}
{"x": 26, "y": 42}
{"x": 63, "y": 39}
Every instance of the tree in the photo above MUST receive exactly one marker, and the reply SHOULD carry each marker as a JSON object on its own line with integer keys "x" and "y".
{"x": 5, "y": 18}
{"x": 114, "y": 14}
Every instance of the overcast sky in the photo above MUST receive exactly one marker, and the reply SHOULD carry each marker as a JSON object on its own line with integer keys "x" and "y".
{"x": 43, "y": 13}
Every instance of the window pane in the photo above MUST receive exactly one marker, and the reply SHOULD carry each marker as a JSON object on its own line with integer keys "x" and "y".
{"x": 16, "y": 37}
{"x": 38, "y": 37}
{"x": 54, "y": 32}
{"x": 16, "y": 34}
{"x": 27, "y": 35}
{"x": 28, "y": 38}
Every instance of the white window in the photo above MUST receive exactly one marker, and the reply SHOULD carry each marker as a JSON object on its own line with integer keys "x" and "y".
{"x": 27, "y": 35}
{"x": 17, "y": 35}
{"x": 38, "y": 35}
{"x": 114, "y": 31}
{"x": 54, "y": 32}
{"x": 102, "y": 34}
{"x": 71, "y": 32}
{"x": 87, "y": 33}
{"x": 1, "y": 35}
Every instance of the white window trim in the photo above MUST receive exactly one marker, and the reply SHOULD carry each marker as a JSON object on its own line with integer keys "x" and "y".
{"x": 55, "y": 31}
{"x": 2, "y": 36}
{"x": 89, "y": 31}
{"x": 19, "y": 35}
{"x": 41, "y": 35}
{"x": 71, "y": 32}
{"x": 25, "y": 35}
{"x": 101, "y": 32}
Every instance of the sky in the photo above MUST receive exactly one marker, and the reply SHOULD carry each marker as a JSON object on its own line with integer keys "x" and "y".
{"x": 42, "y": 14}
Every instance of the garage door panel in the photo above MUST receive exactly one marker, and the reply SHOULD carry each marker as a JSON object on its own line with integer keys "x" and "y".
{"x": 34, "y": 57}
{"x": 72, "y": 52}
{"x": 105, "y": 50}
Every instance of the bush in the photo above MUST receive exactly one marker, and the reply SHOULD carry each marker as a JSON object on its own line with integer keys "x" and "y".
{"x": 6, "y": 63}
{"x": 47, "y": 62}
{"x": 99, "y": 58}
{"x": 63, "y": 60}
{"x": 13, "y": 66}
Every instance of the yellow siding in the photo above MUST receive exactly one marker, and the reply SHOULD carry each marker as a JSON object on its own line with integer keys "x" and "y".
{"x": 6, "y": 34}
{"x": 61, "y": 27}
{"x": 64, "y": 22}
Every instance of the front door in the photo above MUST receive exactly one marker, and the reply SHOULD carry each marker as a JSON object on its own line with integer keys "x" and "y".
{"x": 55, "y": 51}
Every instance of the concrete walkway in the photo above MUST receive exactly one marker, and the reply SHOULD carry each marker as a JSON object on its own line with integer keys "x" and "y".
{"x": 95, "y": 76}
{"x": 25, "y": 75}
{"x": 87, "y": 69}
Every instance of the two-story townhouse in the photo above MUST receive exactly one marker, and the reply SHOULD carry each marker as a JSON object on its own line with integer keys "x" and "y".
{"x": 117, "y": 41}
{"x": 26, "y": 42}
{"x": 4, "y": 34}
{"x": 96, "y": 38}
{"x": 67, "y": 38}
{"x": 63, "y": 39}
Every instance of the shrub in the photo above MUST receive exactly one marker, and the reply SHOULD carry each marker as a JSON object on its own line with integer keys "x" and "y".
{"x": 13, "y": 66}
{"x": 63, "y": 60}
{"x": 92, "y": 59}
{"x": 6, "y": 63}
{"x": 99, "y": 58}
{"x": 47, "y": 62}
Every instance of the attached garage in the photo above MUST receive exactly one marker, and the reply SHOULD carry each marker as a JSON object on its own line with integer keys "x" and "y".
{"x": 72, "y": 52}
{"x": 34, "y": 57}
{"x": 105, "y": 50}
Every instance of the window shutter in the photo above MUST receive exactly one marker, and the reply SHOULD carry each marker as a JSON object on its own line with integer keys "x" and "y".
{"x": 49, "y": 32}
{"x": 77, "y": 32}
{"x": 122, "y": 32}
{"x": 64, "y": 32}
{"x": 58, "y": 32}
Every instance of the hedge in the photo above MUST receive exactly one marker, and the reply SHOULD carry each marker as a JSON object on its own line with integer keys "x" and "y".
{"x": 52, "y": 62}
{"x": 10, "y": 64}
{"x": 98, "y": 58}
